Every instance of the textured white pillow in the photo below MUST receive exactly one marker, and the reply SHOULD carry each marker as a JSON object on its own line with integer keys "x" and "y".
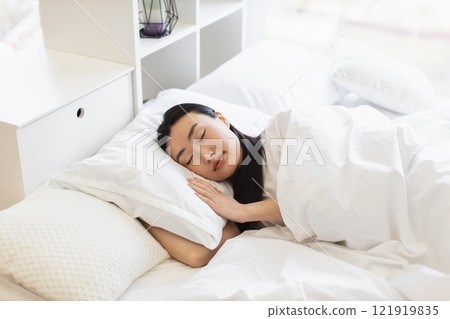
{"x": 66, "y": 245}
{"x": 272, "y": 76}
{"x": 383, "y": 80}
{"x": 122, "y": 172}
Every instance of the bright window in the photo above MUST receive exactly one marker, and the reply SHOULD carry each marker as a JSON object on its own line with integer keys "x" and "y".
{"x": 416, "y": 31}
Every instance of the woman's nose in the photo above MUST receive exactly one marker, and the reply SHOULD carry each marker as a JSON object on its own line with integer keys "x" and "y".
{"x": 208, "y": 156}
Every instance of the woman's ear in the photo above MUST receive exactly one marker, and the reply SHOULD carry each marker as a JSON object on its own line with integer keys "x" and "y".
{"x": 223, "y": 119}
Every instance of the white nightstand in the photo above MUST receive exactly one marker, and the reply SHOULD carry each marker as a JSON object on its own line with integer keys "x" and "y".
{"x": 56, "y": 108}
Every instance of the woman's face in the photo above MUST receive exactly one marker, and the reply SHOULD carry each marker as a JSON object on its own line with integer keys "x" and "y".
{"x": 205, "y": 145}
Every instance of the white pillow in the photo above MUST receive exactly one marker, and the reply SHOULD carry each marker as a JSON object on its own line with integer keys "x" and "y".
{"x": 66, "y": 245}
{"x": 383, "y": 80}
{"x": 272, "y": 76}
{"x": 121, "y": 172}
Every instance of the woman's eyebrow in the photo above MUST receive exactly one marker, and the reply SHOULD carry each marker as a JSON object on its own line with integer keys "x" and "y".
{"x": 191, "y": 131}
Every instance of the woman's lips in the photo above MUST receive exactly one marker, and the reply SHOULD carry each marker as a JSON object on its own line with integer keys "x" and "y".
{"x": 219, "y": 162}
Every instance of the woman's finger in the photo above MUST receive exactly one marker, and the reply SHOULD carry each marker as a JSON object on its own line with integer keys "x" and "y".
{"x": 208, "y": 186}
{"x": 205, "y": 193}
{"x": 204, "y": 186}
{"x": 199, "y": 182}
{"x": 212, "y": 188}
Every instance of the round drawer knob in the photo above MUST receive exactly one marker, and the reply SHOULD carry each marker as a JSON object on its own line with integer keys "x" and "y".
{"x": 80, "y": 112}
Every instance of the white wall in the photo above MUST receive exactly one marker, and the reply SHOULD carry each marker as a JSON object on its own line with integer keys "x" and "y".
{"x": 256, "y": 20}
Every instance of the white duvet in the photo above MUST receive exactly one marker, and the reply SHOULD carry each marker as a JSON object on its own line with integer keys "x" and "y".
{"x": 366, "y": 202}
{"x": 369, "y": 182}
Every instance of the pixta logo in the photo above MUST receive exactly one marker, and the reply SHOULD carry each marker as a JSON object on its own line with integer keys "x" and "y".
{"x": 144, "y": 153}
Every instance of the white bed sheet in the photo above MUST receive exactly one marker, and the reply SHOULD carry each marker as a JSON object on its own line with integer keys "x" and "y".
{"x": 277, "y": 268}
{"x": 268, "y": 264}
{"x": 159, "y": 282}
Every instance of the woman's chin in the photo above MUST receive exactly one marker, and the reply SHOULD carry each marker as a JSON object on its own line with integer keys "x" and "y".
{"x": 219, "y": 178}
{"x": 228, "y": 172}
{"x": 222, "y": 174}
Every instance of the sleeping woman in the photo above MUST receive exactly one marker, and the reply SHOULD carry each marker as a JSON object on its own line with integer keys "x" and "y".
{"x": 189, "y": 126}
{"x": 340, "y": 175}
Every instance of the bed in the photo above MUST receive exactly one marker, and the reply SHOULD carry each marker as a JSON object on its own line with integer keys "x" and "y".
{"x": 265, "y": 264}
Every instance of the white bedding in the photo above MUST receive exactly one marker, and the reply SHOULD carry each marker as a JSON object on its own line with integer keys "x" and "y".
{"x": 382, "y": 187}
{"x": 269, "y": 265}
{"x": 372, "y": 274}
{"x": 365, "y": 275}
{"x": 160, "y": 281}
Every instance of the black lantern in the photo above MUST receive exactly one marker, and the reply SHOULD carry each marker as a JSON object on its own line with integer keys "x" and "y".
{"x": 157, "y": 17}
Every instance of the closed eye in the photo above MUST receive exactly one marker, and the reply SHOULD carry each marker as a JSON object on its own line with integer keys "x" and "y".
{"x": 201, "y": 139}
{"x": 203, "y": 135}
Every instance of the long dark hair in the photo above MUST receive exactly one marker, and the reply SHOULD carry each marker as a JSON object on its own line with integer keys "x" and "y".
{"x": 244, "y": 188}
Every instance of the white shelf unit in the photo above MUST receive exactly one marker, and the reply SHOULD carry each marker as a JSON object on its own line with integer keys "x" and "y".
{"x": 166, "y": 67}
{"x": 207, "y": 33}
{"x": 212, "y": 11}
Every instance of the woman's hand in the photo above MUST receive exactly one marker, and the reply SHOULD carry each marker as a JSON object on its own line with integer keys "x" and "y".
{"x": 220, "y": 203}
